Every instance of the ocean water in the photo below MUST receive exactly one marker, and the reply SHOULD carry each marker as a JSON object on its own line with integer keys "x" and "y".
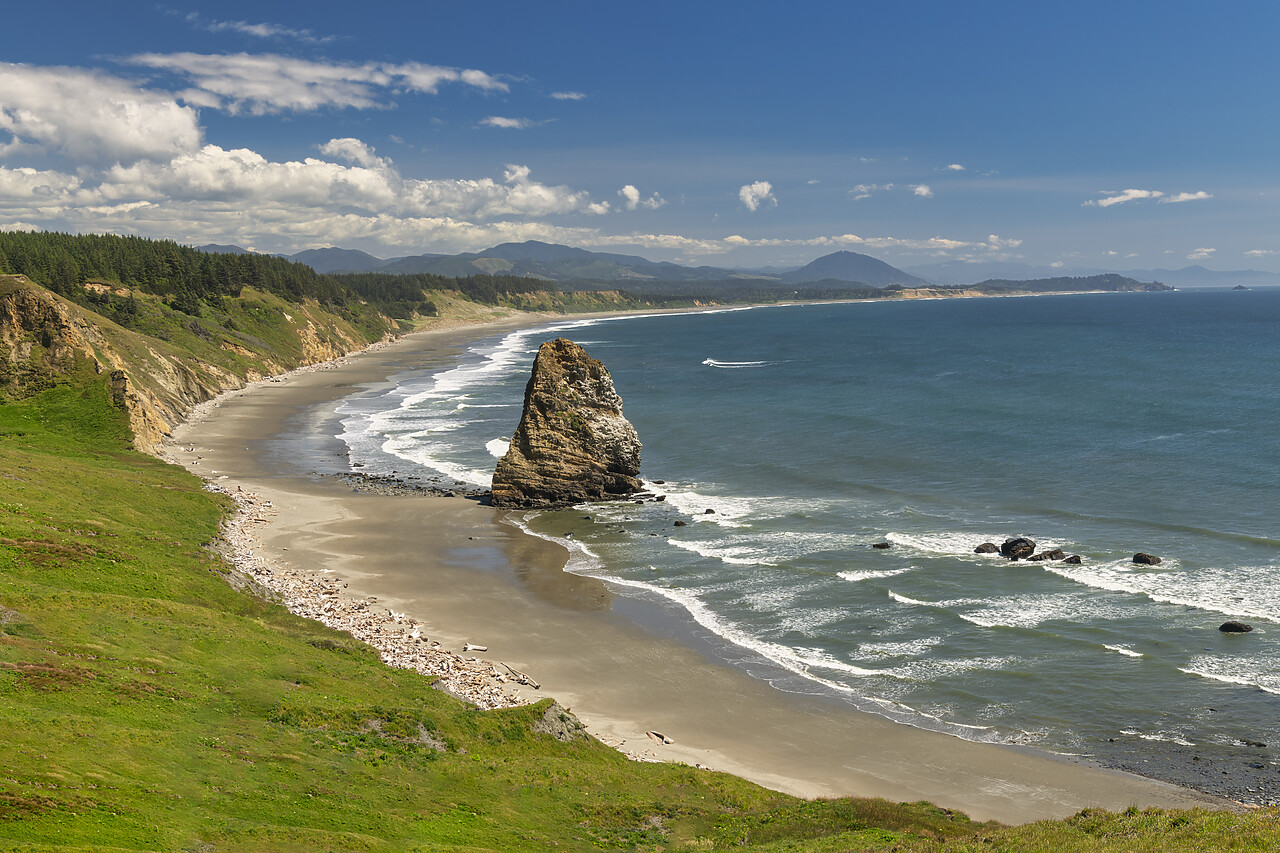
{"x": 1103, "y": 424}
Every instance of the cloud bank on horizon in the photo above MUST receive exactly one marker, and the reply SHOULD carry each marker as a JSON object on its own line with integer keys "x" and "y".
{"x": 283, "y": 135}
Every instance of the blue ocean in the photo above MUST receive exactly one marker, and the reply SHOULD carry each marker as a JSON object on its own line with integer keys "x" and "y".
{"x": 1103, "y": 424}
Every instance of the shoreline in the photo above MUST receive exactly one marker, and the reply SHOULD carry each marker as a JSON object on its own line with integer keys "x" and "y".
{"x": 462, "y": 576}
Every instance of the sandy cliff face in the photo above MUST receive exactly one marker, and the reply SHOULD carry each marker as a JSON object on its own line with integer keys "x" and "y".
{"x": 45, "y": 339}
{"x": 572, "y": 444}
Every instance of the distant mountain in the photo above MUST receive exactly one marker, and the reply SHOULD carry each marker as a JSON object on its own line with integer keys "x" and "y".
{"x": 851, "y": 266}
{"x": 962, "y": 273}
{"x": 557, "y": 263}
{"x": 1198, "y": 276}
{"x": 339, "y": 260}
{"x": 218, "y": 249}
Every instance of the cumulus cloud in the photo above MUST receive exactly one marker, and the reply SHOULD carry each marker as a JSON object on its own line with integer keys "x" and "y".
{"x": 260, "y": 84}
{"x": 1111, "y": 197}
{"x": 631, "y": 199}
{"x": 755, "y": 194}
{"x": 568, "y": 96}
{"x": 91, "y": 117}
{"x": 1201, "y": 254}
{"x": 354, "y": 151}
{"x": 923, "y": 190}
{"x": 955, "y": 167}
{"x": 1181, "y": 197}
{"x": 1261, "y": 253}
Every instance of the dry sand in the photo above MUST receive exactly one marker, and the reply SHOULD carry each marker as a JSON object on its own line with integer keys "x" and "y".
{"x": 455, "y": 567}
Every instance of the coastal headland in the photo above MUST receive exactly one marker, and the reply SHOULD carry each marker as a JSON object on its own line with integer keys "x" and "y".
{"x": 453, "y": 572}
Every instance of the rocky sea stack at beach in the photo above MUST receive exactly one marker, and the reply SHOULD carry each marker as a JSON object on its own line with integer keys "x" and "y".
{"x": 573, "y": 444}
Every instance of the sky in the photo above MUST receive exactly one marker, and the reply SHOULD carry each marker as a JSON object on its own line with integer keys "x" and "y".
{"x": 1121, "y": 135}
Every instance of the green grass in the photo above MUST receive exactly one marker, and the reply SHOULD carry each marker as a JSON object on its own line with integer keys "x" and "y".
{"x": 147, "y": 705}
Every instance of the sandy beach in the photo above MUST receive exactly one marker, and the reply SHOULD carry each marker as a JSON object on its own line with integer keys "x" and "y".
{"x": 458, "y": 575}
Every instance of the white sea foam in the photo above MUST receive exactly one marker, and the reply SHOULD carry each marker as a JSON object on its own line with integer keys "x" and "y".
{"x": 866, "y": 576}
{"x": 730, "y": 365}
{"x": 497, "y": 447}
{"x": 734, "y": 556}
{"x": 1029, "y": 611}
{"x": 1237, "y": 591}
{"x": 1162, "y": 737}
{"x": 1246, "y": 672}
{"x": 902, "y": 599}
{"x": 907, "y": 648}
{"x": 1124, "y": 650}
{"x": 686, "y": 499}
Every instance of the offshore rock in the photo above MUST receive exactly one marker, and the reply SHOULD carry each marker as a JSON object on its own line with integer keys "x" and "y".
{"x": 1017, "y": 548}
{"x": 1143, "y": 559}
{"x": 1234, "y": 627}
{"x": 573, "y": 445}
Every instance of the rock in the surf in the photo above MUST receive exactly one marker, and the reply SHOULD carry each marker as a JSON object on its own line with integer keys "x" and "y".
{"x": 1051, "y": 554}
{"x": 1146, "y": 559}
{"x": 1234, "y": 627}
{"x": 987, "y": 548}
{"x": 1074, "y": 560}
{"x": 1017, "y": 548}
{"x": 573, "y": 444}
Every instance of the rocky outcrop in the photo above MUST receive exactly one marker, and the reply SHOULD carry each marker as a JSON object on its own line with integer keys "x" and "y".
{"x": 987, "y": 548}
{"x": 572, "y": 445}
{"x": 1051, "y": 554}
{"x": 1143, "y": 559}
{"x": 1017, "y": 548}
{"x": 1234, "y": 627}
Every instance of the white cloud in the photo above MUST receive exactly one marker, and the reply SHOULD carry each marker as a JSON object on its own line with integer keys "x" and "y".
{"x": 93, "y": 118}
{"x": 1261, "y": 253}
{"x": 1181, "y": 197}
{"x": 31, "y": 185}
{"x": 260, "y": 84}
{"x": 1112, "y": 197}
{"x": 923, "y": 190}
{"x": 509, "y": 123}
{"x": 862, "y": 191}
{"x": 19, "y": 226}
{"x": 265, "y": 31}
{"x": 955, "y": 167}
{"x": 354, "y": 151}
{"x": 1201, "y": 254}
{"x": 631, "y": 199}
{"x": 568, "y": 96}
{"x": 755, "y": 194}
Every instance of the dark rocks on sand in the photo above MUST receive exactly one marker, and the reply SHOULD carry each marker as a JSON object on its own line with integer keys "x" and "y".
{"x": 1234, "y": 627}
{"x": 1052, "y": 554}
{"x": 987, "y": 548}
{"x": 1146, "y": 559}
{"x": 572, "y": 445}
{"x": 1074, "y": 560}
{"x": 1017, "y": 548}
{"x": 882, "y": 546}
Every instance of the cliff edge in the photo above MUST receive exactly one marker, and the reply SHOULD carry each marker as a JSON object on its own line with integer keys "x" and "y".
{"x": 572, "y": 445}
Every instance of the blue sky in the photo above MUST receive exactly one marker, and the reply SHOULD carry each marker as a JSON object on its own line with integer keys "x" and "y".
{"x": 1122, "y": 135}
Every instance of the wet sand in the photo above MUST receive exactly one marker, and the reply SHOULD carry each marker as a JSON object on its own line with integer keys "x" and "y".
{"x": 454, "y": 566}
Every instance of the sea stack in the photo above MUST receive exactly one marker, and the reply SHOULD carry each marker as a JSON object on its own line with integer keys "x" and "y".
{"x": 572, "y": 445}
